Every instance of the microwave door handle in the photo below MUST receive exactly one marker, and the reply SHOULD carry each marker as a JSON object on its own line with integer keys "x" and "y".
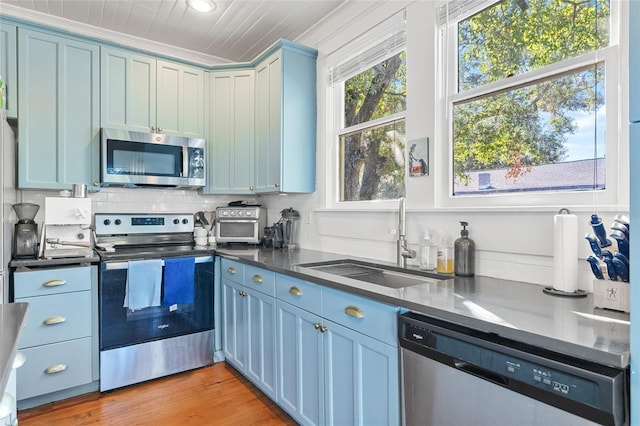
{"x": 185, "y": 161}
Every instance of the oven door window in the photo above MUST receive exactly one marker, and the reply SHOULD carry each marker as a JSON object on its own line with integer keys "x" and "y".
{"x": 237, "y": 229}
{"x": 119, "y": 326}
{"x": 143, "y": 159}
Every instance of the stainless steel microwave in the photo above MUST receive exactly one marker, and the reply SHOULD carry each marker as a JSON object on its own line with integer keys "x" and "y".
{"x": 130, "y": 158}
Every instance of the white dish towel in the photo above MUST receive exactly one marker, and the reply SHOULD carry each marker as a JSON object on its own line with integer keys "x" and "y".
{"x": 144, "y": 282}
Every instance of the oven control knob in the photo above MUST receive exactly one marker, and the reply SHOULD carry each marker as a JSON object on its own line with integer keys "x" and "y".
{"x": 107, "y": 222}
{"x": 240, "y": 213}
{"x": 176, "y": 221}
{"x": 185, "y": 221}
{"x": 233, "y": 212}
{"x": 224, "y": 212}
{"x": 117, "y": 222}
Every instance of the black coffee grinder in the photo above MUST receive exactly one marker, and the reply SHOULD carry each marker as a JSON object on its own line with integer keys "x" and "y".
{"x": 25, "y": 236}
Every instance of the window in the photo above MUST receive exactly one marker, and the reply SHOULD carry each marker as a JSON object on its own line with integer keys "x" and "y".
{"x": 528, "y": 98}
{"x": 369, "y": 103}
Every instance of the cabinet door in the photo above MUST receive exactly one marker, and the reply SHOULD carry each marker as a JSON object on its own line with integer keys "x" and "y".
{"x": 128, "y": 89}
{"x": 268, "y": 124}
{"x": 300, "y": 366}
{"x": 261, "y": 335}
{"x": 9, "y": 67}
{"x": 634, "y": 61}
{"x": 231, "y": 137}
{"x": 60, "y": 104}
{"x": 234, "y": 332}
{"x": 362, "y": 379}
{"x": 180, "y": 100}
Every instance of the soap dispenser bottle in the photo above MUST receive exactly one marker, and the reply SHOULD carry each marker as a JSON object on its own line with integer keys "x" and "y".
{"x": 464, "y": 254}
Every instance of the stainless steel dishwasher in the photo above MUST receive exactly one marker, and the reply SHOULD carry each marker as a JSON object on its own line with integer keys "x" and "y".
{"x": 454, "y": 375}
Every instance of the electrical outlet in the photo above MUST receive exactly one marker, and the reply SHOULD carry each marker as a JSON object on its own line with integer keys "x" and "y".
{"x": 307, "y": 217}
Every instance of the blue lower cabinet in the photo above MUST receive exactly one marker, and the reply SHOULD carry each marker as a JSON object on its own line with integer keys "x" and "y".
{"x": 362, "y": 379}
{"x": 261, "y": 346}
{"x": 300, "y": 364}
{"x": 249, "y": 334}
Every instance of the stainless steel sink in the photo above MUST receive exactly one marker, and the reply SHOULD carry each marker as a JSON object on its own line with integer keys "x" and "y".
{"x": 374, "y": 273}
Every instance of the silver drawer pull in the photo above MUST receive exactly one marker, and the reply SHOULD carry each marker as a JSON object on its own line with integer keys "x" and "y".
{"x": 54, "y": 320}
{"x": 56, "y": 368}
{"x": 53, "y": 283}
{"x": 231, "y": 270}
{"x": 353, "y": 311}
{"x": 295, "y": 291}
{"x": 257, "y": 279}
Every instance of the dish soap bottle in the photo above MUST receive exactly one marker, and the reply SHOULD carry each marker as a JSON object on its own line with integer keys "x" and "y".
{"x": 427, "y": 252}
{"x": 464, "y": 253}
{"x": 444, "y": 262}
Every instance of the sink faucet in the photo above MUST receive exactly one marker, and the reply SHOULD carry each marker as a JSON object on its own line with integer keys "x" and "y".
{"x": 403, "y": 252}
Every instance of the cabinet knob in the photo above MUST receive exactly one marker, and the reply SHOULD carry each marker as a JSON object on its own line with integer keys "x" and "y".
{"x": 295, "y": 291}
{"x": 243, "y": 293}
{"x": 153, "y": 128}
{"x": 316, "y": 326}
{"x": 251, "y": 188}
{"x": 56, "y": 368}
{"x": 95, "y": 183}
{"x": 231, "y": 270}
{"x": 54, "y": 320}
{"x": 277, "y": 185}
{"x": 323, "y": 329}
{"x": 159, "y": 129}
{"x": 257, "y": 279}
{"x": 353, "y": 311}
{"x": 53, "y": 283}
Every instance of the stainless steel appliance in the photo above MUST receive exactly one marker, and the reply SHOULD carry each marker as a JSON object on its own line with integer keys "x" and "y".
{"x": 67, "y": 227}
{"x": 240, "y": 224}
{"x": 136, "y": 158}
{"x": 156, "y": 293}
{"x": 458, "y": 376}
{"x": 25, "y": 234}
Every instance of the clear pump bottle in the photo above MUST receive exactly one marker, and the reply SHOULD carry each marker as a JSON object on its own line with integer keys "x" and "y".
{"x": 428, "y": 252}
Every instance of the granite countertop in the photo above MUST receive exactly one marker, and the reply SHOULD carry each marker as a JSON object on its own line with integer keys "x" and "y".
{"x": 12, "y": 316}
{"x": 512, "y": 309}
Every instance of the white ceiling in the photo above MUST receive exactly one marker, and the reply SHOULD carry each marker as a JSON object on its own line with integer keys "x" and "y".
{"x": 237, "y": 30}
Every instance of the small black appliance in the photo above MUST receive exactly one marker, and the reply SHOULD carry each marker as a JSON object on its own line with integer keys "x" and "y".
{"x": 25, "y": 236}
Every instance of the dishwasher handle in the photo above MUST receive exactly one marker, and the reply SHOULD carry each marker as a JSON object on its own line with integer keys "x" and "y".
{"x": 483, "y": 373}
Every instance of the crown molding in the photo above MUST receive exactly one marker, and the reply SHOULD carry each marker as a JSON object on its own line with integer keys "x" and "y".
{"x": 113, "y": 37}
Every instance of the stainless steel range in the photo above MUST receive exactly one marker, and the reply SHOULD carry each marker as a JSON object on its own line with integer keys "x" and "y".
{"x": 156, "y": 292}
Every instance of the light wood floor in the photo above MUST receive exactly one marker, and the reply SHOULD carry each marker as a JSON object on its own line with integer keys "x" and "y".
{"x": 215, "y": 395}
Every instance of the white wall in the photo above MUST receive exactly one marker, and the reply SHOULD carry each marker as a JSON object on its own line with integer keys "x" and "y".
{"x": 512, "y": 243}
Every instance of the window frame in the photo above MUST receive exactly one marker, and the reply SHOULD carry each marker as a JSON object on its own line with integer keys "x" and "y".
{"x": 335, "y": 112}
{"x": 612, "y": 195}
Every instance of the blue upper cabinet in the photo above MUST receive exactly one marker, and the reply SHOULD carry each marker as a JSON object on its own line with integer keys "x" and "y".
{"x": 59, "y": 110}
{"x": 634, "y": 61}
{"x": 144, "y": 94}
{"x": 9, "y": 67}
{"x": 285, "y": 127}
{"x": 128, "y": 88}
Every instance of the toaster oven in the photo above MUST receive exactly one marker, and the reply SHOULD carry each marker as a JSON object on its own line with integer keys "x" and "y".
{"x": 240, "y": 224}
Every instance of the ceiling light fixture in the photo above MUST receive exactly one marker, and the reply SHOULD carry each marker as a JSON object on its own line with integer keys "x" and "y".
{"x": 201, "y": 5}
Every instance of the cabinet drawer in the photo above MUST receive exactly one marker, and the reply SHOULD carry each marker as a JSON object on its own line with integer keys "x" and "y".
{"x": 51, "y": 281}
{"x": 231, "y": 270}
{"x": 260, "y": 280}
{"x": 57, "y": 318}
{"x": 299, "y": 293}
{"x": 366, "y": 316}
{"x": 54, "y": 367}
